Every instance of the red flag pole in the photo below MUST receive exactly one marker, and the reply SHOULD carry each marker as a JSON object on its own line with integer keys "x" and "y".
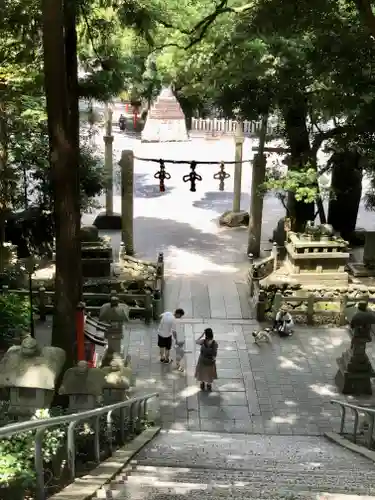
{"x": 80, "y": 331}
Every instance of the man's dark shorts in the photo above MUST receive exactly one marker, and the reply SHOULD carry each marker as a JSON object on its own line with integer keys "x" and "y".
{"x": 165, "y": 342}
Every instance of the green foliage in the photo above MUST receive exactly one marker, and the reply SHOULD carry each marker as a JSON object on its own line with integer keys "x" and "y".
{"x": 17, "y": 454}
{"x": 14, "y": 316}
{"x": 304, "y": 184}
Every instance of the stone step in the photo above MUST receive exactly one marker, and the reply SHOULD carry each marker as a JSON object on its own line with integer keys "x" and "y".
{"x": 246, "y": 451}
{"x": 202, "y": 492}
{"x": 181, "y": 473}
{"x": 316, "y": 481}
{"x": 206, "y": 466}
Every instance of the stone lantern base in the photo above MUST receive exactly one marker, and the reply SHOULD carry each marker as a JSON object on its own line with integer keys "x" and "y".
{"x": 354, "y": 373}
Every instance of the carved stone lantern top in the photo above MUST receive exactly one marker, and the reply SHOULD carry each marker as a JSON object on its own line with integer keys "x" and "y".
{"x": 114, "y": 311}
{"x": 30, "y": 366}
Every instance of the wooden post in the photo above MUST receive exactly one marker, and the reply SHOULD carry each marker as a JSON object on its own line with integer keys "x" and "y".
{"x": 256, "y": 202}
{"x": 343, "y": 305}
{"x": 239, "y": 140}
{"x": 80, "y": 331}
{"x": 127, "y": 179}
{"x": 108, "y": 162}
{"x": 148, "y": 307}
{"x": 277, "y": 303}
{"x": 250, "y": 280}
{"x": 261, "y": 306}
{"x": 42, "y": 304}
{"x": 310, "y": 309}
{"x": 274, "y": 255}
{"x": 157, "y": 305}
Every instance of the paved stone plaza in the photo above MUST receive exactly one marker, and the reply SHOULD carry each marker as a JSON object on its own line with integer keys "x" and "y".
{"x": 282, "y": 388}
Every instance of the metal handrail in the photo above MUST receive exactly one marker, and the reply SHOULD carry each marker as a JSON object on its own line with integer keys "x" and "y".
{"x": 356, "y": 409}
{"x": 40, "y": 426}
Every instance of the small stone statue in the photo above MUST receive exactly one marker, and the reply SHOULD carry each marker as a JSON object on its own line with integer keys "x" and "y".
{"x": 115, "y": 314}
{"x": 30, "y": 372}
{"x": 327, "y": 230}
{"x": 118, "y": 379}
{"x": 116, "y": 375}
{"x": 312, "y": 230}
{"x": 361, "y": 324}
{"x": 83, "y": 385}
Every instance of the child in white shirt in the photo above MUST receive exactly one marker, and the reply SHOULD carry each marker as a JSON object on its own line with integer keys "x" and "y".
{"x": 180, "y": 350}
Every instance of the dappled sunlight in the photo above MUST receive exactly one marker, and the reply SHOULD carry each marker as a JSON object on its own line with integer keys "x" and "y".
{"x": 189, "y": 263}
{"x": 287, "y": 364}
{"x": 290, "y": 403}
{"x": 189, "y": 391}
{"x": 324, "y": 390}
{"x": 289, "y": 419}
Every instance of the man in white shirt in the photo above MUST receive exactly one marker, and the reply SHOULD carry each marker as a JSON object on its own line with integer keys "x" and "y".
{"x": 166, "y": 331}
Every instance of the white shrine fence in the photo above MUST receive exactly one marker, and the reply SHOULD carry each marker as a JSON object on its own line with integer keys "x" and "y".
{"x": 222, "y": 126}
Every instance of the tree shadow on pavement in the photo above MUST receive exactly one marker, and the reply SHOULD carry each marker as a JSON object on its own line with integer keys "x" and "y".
{"x": 220, "y": 201}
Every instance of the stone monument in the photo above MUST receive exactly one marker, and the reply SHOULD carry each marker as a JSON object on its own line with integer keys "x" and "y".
{"x": 84, "y": 386}
{"x": 117, "y": 380}
{"x": 355, "y": 371}
{"x": 30, "y": 373}
{"x": 96, "y": 254}
{"x": 366, "y": 268}
{"x": 115, "y": 314}
{"x": 166, "y": 120}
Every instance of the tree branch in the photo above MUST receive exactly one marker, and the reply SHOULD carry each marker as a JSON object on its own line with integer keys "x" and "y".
{"x": 330, "y": 134}
{"x": 201, "y": 28}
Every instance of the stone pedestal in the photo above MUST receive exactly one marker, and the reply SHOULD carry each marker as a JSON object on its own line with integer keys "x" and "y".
{"x": 117, "y": 381}
{"x": 322, "y": 260}
{"x": 84, "y": 387}
{"x": 355, "y": 371}
{"x": 30, "y": 373}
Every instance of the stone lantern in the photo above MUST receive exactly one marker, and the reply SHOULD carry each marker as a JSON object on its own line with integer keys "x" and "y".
{"x": 354, "y": 366}
{"x": 84, "y": 387}
{"x": 115, "y": 314}
{"x": 30, "y": 373}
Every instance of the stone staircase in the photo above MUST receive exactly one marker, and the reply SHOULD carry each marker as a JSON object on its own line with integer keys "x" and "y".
{"x": 182, "y": 465}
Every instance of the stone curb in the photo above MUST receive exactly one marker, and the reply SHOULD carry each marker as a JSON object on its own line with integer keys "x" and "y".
{"x": 85, "y": 487}
{"x": 355, "y": 448}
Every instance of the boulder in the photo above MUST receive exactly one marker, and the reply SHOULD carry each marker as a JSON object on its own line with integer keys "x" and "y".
{"x": 234, "y": 219}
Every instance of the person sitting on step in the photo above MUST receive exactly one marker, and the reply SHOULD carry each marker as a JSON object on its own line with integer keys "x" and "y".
{"x": 283, "y": 323}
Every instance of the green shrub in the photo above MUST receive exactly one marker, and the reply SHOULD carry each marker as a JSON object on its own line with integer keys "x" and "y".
{"x": 14, "y": 316}
{"x": 17, "y": 455}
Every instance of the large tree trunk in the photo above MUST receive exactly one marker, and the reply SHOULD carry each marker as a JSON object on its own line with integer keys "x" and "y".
{"x": 71, "y": 61}
{"x": 295, "y": 114}
{"x": 5, "y": 193}
{"x": 64, "y": 180}
{"x": 346, "y": 192}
